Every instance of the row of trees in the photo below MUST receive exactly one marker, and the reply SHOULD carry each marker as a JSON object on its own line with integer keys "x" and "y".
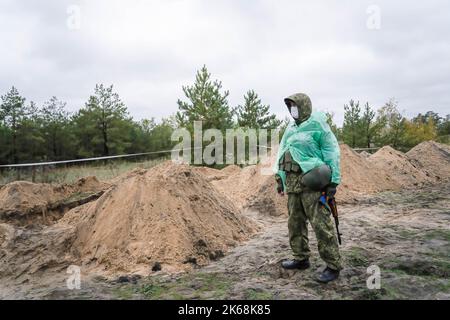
{"x": 104, "y": 127}
{"x": 366, "y": 127}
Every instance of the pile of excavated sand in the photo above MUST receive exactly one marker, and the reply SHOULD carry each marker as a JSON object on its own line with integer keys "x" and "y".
{"x": 399, "y": 167}
{"x": 360, "y": 177}
{"x": 433, "y": 158}
{"x": 242, "y": 184}
{"x": 21, "y": 198}
{"x": 169, "y": 215}
{"x": 364, "y": 154}
{"x": 210, "y": 173}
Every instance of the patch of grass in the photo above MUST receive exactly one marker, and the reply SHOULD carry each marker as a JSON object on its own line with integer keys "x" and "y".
{"x": 408, "y": 234}
{"x": 440, "y": 234}
{"x": 375, "y": 294}
{"x": 197, "y": 285}
{"x": 70, "y": 174}
{"x": 434, "y": 269}
{"x": 254, "y": 294}
{"x": 124, "y": 293}
{"x": 357, "y": 257}
{"x": 212, "y": 282}
{"x": 152, "y": 291}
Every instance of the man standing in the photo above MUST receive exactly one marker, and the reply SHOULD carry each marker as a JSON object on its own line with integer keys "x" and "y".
{"x": 308, "y": 165}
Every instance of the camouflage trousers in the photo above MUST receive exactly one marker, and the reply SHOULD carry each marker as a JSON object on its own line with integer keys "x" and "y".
{"x": 304, "y": 207}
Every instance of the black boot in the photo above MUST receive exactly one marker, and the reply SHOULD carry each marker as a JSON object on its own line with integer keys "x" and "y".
{"x": 328, "y": 275}
{"x": 295, "y": 264}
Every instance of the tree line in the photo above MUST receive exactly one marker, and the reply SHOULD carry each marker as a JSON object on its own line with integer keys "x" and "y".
{"x": 103, "y": 126}
{"x": 365, "y": 127}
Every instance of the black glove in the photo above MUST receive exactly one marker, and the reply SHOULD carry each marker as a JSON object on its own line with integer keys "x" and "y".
{"x": 280, "y": 187}
{"x": 330, "y": 190}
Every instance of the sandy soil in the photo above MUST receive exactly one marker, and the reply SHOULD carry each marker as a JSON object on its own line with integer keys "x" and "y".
{"x": 407, "y": 234}
{"x": 133, "y": 235}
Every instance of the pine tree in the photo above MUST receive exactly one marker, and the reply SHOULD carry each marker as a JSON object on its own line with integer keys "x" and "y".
{"x": 369, "y": 128}
{"x": 352, "y": 123}
{"x": 54, "y": 124}
{"x": 206, "y": 103}
{"x": 253, "y": 114}
{"x": 103, "y": 125}
{"x": 13, "y": 113}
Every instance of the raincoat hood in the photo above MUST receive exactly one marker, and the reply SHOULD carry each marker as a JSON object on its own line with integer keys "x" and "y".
{"x": 303, "y": 102}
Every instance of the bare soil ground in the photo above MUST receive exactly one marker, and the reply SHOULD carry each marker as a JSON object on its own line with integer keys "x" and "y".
{"x": 405, "y": 233}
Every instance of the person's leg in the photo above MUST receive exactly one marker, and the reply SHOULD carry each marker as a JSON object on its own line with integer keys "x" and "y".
{"x": 298, "y": 227}
{"x": 322, "y": 224}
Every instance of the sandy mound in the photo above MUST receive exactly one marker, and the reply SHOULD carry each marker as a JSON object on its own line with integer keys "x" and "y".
{"x": 399, "y": 167}
{"x": 360, "y": 177}
{"x": 87, "y": 184}
{"x": 169, "y": 214}
{"x": 231, "y": 169}
{"x": 364, "y": 154}
{"x": 433, "y": 158}
{"x": 211, "y": 173}
{"x": 241, "y": 185}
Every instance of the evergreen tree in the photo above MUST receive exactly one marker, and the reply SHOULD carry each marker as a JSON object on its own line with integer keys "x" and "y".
{"x": 253, "y": 114}
{"x": 351, "y": 129}
{"x": 13, "y": 113}
{"x": 103, "y": 125}
{"x": 369, "y": 127}
{"x": 206, "y": 103}
{"x": 54, "y": 126}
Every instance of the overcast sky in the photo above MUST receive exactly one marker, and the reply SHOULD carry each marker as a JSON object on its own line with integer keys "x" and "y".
{"x": 331, "y": 50}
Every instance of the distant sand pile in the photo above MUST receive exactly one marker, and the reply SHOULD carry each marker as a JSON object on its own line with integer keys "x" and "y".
{"x": 168, "y": 215}
{"x": 399, "y": 167}
{"x": 360, "y": 177}
{"x": 433, "y": 158}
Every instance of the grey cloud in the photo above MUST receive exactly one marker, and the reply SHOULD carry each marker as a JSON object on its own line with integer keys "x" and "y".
{"x": 274, "y": 47}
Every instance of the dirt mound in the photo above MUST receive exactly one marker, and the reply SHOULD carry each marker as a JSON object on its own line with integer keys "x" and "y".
{"x": 433, "y": 158}
{"x": 364, "y": 154}
{"x": 360, "y": 177}
{"x": 169, "y": 215}
{"x": 241, "y": 184}
{"x": 399, "y": 166}
{"x": 211, "y": 173}
{"x": 231, "y": 169}
{"x": 87, "y": 184}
